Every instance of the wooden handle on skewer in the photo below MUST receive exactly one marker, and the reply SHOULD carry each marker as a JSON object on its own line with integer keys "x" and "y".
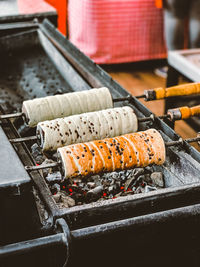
{"x": 183, "y": 112}
{"x": 179, "y": 90}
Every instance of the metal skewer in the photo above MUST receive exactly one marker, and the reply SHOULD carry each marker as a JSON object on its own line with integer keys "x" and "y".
{"x": 180, "y": 141}
{"x": 23, "y": 139}
{"x": 127, "y": 98}
{"x": 13, "y": 115}
{"x": 152, "y": 117}
{"x": 40, "y": 167}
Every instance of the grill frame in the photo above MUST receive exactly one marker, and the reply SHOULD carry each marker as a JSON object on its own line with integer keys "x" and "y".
{"x": 152, "y": 206}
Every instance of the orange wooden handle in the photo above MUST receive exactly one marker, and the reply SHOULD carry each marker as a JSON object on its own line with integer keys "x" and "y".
{"x": 179, "y": 90}
{"x": 187, "y": 112}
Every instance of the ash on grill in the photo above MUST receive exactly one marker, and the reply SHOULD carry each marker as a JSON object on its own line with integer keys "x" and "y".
{"x": 71, "y": 192}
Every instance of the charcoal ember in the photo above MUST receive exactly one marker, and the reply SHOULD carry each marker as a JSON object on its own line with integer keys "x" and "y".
{"x": 77, "y": 180}
{"x": 55, "y": 188}
{"x": 82, "y": 185}
{"x": 110, "y": 196}
{"x": 115, "y": 175}
{"x": 37, "y": 154}
{"x": 149, "y": 188}
{"x": 106, "y": 182}
{"x": 54, "y": 177}
{"x": 57, "y": 197}
{"x": 46, "y": 171}
{"x": 122, "y": 176}
{"x": 133, "y": 189}
{"x": 138, "y": 171}
{"x": 78, "y": 198}
{"x": 148, "y": 169}
{"x": 54, "y": 156}
{"x": 112, "y": 189}
{"x": 129, "y": 182}
{"x": 126, "y": 193}
{"x": 157, "y": 179}
{"x": 64, "y": 200}
{"x": 91, "y": 185}
{"x": 140, "y": 180}
{"x": 147, "y": 178}
{"x": 68, "y": 201}
{"x": 139, "y": 190}
{"x": 118, "y": 195}
{"x": 94, "y": 193}
{"x": 96, "y": 179}
{"x": 107, "y": 186}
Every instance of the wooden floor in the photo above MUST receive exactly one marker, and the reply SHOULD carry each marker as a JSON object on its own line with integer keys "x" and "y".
{"x": 136, "y": 81}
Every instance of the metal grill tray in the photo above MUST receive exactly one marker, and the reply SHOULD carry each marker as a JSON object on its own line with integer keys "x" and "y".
{"x": 40, "y": 62}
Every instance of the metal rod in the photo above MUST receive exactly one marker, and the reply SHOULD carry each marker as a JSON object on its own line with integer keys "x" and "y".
{"x": 126, "y": 98}
{"x": 120, "y": 99}
{"x": 40, "y": 167}
{"x": 140, "y": 96}
{"x": 180, "y": 142}
{"x": 153, "y": 117}
{"x": 135, "y": 222}
{"x": 23, "y": 139}
{"x": 30, "y": 245}
{"x": 13, "y": 115}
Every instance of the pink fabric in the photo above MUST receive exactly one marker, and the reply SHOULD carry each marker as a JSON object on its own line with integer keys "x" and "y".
{"x": 115, "y": 31}
{"x": 34, "y": 6}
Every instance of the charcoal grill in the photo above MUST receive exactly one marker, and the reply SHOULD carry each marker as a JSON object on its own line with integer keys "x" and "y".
{"x": 159, "y": 228}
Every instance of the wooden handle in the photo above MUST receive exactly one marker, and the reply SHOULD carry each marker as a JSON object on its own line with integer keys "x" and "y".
{"x": 187, "y": 112}
{"x": 179, "y": 90}
{"x": 183, "y": 113}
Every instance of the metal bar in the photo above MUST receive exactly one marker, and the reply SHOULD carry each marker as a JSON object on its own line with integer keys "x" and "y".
{"x": 153, "y": 117}
{"x": 121, "y": 99}
{"x": 140, "y": 96}
{"x": 9, "y": 116}
{"x": 127, "y": 98}
{"x": 140, "y": 221}
{"x": 166, "y": 116}
{"x": 40, "y": 167}
{"x": 180, "y": 142}
{"x": 23, "y": 139}
{"x": 30, "y": 245}
{"x": 18, "y": 25}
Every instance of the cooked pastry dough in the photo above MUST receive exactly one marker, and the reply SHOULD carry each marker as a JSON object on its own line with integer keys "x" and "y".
{"x": 60, "y": 106}
{"x": 123, "y": 152}
{"x": 86, "y": 127}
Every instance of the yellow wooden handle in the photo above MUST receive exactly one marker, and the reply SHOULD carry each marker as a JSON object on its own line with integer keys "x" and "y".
{"x": 187, "y": 112}
{"x": 179, "y": 90}
{"x": 183, "y": 112}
